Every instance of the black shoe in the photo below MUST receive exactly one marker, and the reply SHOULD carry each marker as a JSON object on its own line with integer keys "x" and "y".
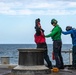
{"x": 50, "y": 67}
{"x": 61, "y": 67}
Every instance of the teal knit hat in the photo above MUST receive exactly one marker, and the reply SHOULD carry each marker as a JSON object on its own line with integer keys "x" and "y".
{"x": 54, "y": 21}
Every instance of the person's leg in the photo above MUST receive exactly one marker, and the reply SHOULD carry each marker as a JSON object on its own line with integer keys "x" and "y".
{"x": 46, "y": 57}
{"x": 61, "y": 60}
{"x": 58, "y": 63}
{"x": 60, "y": 55}
{"x": 56, "y": 53}
{"x": 74, "y": 56}
{"x": 38, "y": 45}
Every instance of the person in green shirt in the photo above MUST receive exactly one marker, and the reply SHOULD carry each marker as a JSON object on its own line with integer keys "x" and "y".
{"x": 55, "y": 34}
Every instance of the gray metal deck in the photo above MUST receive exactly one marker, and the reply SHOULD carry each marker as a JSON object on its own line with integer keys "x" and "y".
{"x": 5, "y": 71}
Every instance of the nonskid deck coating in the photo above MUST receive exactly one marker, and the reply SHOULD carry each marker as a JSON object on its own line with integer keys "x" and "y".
{"x": 5, "y": 71}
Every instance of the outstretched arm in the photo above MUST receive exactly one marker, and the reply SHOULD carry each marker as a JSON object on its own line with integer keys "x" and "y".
{"x": 67, "y": 32}
{"x": 54, "y": 31}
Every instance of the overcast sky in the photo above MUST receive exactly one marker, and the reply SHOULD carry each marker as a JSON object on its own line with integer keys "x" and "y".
{"x": 17, "y": 19}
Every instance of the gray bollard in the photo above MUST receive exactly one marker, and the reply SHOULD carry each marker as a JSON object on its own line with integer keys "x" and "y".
{"x": 31, "y": 62}
{"x": 5, "y": 60}
{"x": 31, "y": 57}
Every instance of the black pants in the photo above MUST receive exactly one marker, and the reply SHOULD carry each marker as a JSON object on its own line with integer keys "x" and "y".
{"x": 74, "y": 56}
{"x": 46, "y": 57}
{"x": 57, "y": 53}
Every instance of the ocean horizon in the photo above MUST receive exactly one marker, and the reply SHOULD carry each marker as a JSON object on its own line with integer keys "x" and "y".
{"x": 11, "y": 50}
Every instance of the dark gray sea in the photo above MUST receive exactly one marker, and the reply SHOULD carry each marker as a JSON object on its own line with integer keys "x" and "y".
{"x": 11, "y": 50}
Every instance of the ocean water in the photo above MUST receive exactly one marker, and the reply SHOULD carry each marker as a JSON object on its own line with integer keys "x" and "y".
{"x": 11, "y": 50}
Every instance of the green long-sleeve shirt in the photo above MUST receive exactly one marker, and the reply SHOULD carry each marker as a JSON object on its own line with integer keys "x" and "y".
{"x": 55, "y": 33}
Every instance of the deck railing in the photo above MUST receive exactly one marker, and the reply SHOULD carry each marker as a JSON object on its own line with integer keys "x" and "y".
{"x": 70, "y": 55}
